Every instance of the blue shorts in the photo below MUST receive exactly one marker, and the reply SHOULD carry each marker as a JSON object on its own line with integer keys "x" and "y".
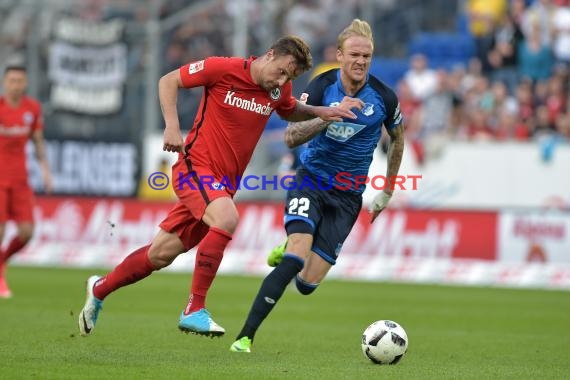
{"x": 329, "y": 213}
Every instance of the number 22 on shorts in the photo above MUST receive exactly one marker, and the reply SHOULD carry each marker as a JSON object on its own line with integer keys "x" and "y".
{"x": 299, "y": 206}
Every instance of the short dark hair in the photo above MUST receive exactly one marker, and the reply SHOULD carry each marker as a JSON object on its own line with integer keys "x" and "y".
{"x": 296, "y": 47}
{"x": 14, "y": 68}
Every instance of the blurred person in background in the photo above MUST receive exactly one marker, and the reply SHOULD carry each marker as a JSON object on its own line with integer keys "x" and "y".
{"x": 319, "y": 218}
{"x": 484, "y": 16}
{"x": 421, "y": 79}
{"x": 538, "y": 19}
{"x": 433, "y": 131}
{"x": 563, "y": 126}
{"x": 543, "y": 124}
{"x": 504, "y": 52}
{"x": 561, "y": 37}
{"x": 305, "y": 19}
{"x": 239, "y": 96}
{"x": 535, "y": 58}
{"x": 525, "y": 101}
{"x": 329, "y": 61}
{"x": 510, "y": 127}
{"x": 20, "y": 120}
{"x": 471, "y": 75}
{"x": 479, "y": 128}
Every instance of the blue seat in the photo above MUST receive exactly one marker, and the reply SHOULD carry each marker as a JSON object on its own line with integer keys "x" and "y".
{"x": 389, "y": 70}
{"x": 443, "y": 49}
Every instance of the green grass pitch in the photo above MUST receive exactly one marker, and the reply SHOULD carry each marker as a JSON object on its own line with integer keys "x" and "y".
{"x": 454, "y": 332}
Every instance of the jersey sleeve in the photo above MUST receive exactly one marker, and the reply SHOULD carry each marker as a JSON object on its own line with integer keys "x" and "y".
{"x": 393, "y": 115}
{"x": 315, "y": 90}
{"x": 288, "y": 102}
{"x": 203, "y": 73}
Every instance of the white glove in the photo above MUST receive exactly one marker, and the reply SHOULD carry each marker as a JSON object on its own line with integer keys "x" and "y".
{"x": 380, "y": 202}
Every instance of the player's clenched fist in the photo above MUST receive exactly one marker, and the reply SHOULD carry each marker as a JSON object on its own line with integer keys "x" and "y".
{"x": 172, "y": 141}
{"x": 378, "y": 204}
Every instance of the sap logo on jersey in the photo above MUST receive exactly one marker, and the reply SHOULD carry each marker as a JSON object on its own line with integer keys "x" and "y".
{"x": 343, "y": 131}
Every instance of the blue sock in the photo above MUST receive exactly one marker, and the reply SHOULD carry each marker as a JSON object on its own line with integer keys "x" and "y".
{"x": 304, "y": 287}
{"x": 271, "y": 290}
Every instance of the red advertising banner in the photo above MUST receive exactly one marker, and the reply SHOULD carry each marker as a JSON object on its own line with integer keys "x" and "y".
{"x": 426, "y": 234}
{"x": 402, "y": 245}
{"x": 396, "y": 233}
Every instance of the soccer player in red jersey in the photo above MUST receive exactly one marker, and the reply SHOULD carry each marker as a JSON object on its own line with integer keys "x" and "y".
{"x": 20, "y": 120}
{"x": 239, "y": 96}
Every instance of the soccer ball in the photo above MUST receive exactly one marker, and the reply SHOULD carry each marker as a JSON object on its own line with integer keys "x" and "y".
{"x": 384, "y": 342}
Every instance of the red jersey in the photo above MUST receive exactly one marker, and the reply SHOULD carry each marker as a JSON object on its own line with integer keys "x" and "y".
{"x": 232, "y": 114}
{"x": 16, "y": 127}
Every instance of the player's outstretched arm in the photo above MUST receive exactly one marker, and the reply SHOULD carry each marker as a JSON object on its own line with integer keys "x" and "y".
{"x": 395, "y": 153}
{"x": 299, "y": 132}
{"x": 305, "y": 112}
{"x": 168, "y": 94}
{"x": 302, "y": 131}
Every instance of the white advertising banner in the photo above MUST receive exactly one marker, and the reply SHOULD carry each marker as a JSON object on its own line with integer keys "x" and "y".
{"x": 483, "y": 175}
{"x": 534, "y": 237}
{"x": 88, "y": 66}
{"x": 88, "y": 168}
{"x": 93, "y": 101}
{"x": 80, "y": 31}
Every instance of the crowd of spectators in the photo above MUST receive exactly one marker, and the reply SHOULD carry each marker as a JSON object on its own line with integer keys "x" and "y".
{"x": 516, "y": 88}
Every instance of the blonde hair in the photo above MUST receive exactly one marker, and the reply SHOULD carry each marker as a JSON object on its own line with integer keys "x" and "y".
{"x": 356, "y": 28}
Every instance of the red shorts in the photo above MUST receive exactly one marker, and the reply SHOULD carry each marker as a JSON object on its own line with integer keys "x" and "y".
{"x": 185, "y": 219}
{"x": 17, "y": 204}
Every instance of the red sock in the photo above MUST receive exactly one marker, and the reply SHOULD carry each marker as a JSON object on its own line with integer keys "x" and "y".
{"x": 208, "y": 259}
{"x": 134, "y": 268}
{"x": 15, "y": 245}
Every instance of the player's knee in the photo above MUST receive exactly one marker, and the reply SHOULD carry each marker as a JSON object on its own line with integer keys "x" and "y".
{"x": 304, "y": 287}
{"x": 221, "y": 213}
{"x": 228, "y": 222}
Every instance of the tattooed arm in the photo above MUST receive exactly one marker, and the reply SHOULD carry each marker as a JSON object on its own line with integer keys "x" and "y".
{"x": 395, "y": 152}
{"x": 300, "y": 130}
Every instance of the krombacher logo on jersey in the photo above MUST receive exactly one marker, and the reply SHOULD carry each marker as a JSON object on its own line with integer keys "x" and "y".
{"x": 16, "y": 130}
{"x": 248, "y": 105}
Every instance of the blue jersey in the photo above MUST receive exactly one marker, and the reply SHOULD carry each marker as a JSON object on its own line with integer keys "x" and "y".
{"x": 348, "y": 146}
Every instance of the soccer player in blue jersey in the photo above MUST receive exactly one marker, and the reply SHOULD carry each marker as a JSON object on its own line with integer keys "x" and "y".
{"x": 319, "y": 217}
